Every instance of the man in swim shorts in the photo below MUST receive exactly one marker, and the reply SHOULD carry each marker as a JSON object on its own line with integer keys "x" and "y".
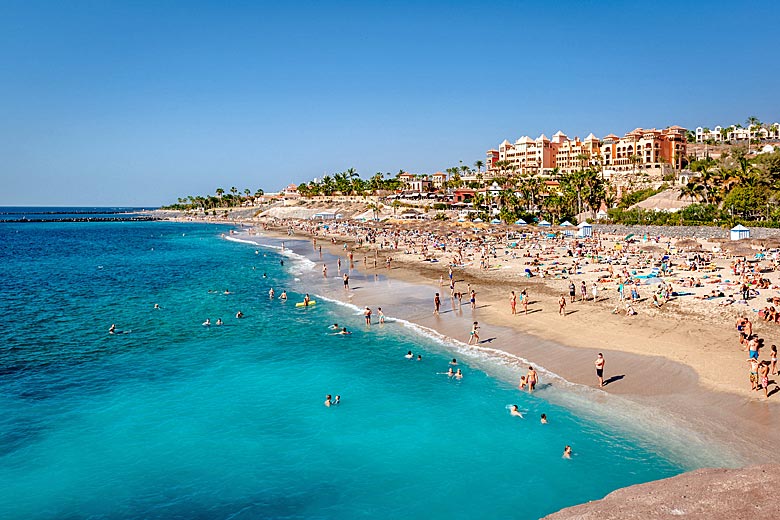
{"x": 600, "y": 369}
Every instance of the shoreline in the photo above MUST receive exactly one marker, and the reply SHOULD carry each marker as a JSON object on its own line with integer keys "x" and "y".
{"x": 677, "y": 399}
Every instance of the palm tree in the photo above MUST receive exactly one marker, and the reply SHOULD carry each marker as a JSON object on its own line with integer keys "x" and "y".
{"x": 478, "y": 165}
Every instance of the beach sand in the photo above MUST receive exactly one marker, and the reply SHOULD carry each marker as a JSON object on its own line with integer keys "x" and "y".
{"x": 683, "y": 362}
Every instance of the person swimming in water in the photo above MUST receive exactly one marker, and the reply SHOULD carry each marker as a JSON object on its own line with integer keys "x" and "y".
{"x": 515, "y": 412}
{"x": 271, "y": 293}
{"x": 239, "y": 315}
{"x": 207, "y": 323}
{"x": 327, "y": 400}
{"x": 343, "y": 331}
{"x": 567, "y": 452}
{"x": 337, "y": 400}
{"x": 419, "y": 357}
{"x": 219, "y": 321}
{"x": 112, "y": 328}
{"x": 458, "y": 374}
{"x": 283, "y": 296}
{"x": 409, "y": 355}
{"x": 454, "y": 361}
{"x": 156, "y": 305}
{"x": 544, "y": 418}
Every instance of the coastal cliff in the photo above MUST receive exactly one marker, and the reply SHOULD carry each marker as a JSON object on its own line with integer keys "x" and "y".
{"x": 705, "y": 493}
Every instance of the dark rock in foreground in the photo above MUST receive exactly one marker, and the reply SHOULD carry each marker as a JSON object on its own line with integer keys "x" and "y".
{"x": 734, "y": 494}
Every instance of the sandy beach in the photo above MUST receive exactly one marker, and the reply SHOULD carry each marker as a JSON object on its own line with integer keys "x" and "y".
{"x": 682, "y": 361}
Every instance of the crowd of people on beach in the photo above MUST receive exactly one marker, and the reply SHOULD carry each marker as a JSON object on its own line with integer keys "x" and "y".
{"x": 634, "y": 275}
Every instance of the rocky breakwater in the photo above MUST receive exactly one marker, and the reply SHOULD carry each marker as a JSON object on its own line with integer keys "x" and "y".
{"x": 734, "y": 494}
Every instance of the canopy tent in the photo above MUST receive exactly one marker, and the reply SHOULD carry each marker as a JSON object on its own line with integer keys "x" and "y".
{"x": 586, "y": 230}
{"x": 739, "y": 232}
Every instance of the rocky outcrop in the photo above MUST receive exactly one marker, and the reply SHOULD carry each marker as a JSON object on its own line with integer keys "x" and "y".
{"x": 733, "y": 494}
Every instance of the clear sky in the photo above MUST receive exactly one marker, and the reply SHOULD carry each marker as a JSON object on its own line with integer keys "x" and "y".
{"x": 138, "y": 103}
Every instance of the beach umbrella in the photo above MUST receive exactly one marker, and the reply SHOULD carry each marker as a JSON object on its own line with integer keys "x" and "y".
{"x": 629, "y": 236}
{"x": 566, "y": 224}
{"x": 495, "y": 221}
{"x": 520, "y": 222}
{"x": 477, "y": 220}
{"x": 461, "y": 219}
{"x": 544, "y": 223}
{"x": 688, "y": 243}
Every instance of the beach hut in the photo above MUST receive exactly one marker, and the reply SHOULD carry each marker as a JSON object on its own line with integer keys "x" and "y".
{"x": 586, "y": 230}
{"x": 544, "y": 223}
{"x": 520, "y": 222}
{"x": 739, "y": 232}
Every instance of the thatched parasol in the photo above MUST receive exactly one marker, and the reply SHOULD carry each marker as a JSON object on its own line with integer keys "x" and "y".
{"x": 688, "y": 243}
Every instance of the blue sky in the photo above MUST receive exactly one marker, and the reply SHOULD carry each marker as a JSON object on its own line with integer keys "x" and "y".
{"x": 138, "y": 103}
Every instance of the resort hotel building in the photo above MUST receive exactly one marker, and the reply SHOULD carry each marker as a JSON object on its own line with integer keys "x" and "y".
{"x": 736, "y": 133}
{"x": 647, "y": 151}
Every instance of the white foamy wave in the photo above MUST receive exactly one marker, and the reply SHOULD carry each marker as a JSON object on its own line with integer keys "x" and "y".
{"x": 240, "y": 240}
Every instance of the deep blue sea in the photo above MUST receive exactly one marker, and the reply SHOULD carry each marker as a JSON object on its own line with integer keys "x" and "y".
{"x": 172, "y": 419}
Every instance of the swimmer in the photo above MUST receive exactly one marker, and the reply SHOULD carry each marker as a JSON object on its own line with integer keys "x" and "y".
{"x": 409, "y": 355}
{"x": 226, "y": 291}
{"x": 343, "y": 331}
{"x": 327, "y": 400}
{"x": 335, "y": 326}
{"x": 454, "y": 361}
{"x": 522, "y": 384}
{"x": 337, "y": 400}
{"x": 567, "y": 452}
{"x": 239, "y": 315}
{"x": 219, "y": 321}
{"x": 458, "y": 374}
{"x": 515, "y": 412}
{"x": 207, "y": 323}
{"x": 265, "y": 275}
{"x": 156, "y": 305}
{"x": 419, "y": 357}
{"x": 112, "y": 328}
{"x": 449, "y": 373}
{"x": 544, "y": 418}
{"x": 283, "y": 296}
{"x": 271, "y": 293}
{"x": 306, "y": 300}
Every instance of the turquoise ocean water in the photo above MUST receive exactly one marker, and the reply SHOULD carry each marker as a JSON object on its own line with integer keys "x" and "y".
{"x": 171, "y": 419}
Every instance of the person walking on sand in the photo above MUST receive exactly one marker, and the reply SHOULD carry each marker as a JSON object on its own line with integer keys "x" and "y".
{"x": 346, "y": 281}
{"x": 595, "y": 290}
{"x": 572, "y": 291}
{"x": 763, "y": 377}
{"x": 524, "y": 299}
{"x": 436, "y": 304}
{"x": 753, "y": 373}
{"x": 583, "y": 291}
{"x": 600, "y": 369}
{"x": 473, "y": 299}
{"x": 773, "y": 359}
{"x": 562, "y": 305}
{"x": 474, "y": 334}
{"x": 513, "y": 302}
